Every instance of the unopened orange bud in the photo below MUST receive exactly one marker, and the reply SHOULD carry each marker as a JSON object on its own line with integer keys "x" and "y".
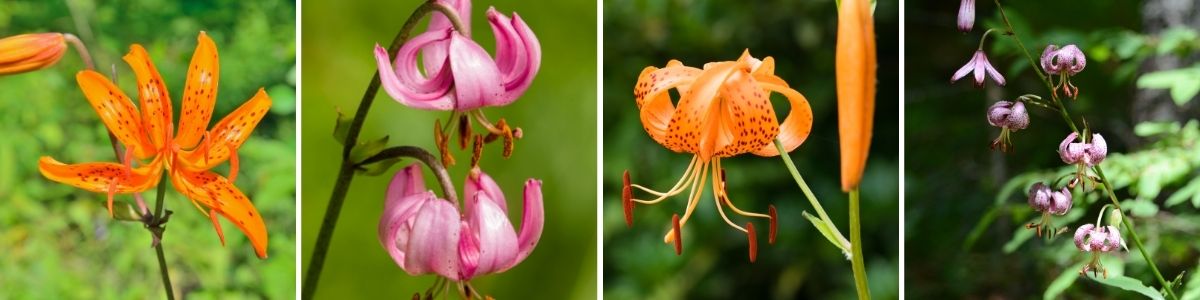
{"x": 30, "y": 52}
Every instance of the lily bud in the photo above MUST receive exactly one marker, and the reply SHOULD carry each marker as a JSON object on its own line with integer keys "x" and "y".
{"x": 31, "y": 52}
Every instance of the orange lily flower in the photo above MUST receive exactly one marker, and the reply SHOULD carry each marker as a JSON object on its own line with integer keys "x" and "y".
{"x": 724, "y": 111}
{"x": 188, "y": 155}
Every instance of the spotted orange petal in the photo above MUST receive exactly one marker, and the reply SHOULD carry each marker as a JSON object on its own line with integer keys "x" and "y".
{"x": 692, "y": 128}
{"x": 99, "y": 177}
{"x": 746, "y": 120}
{"x": 228, "y": 135}
{"x": 153, "y": 98}
{"x": 222, "y": 197}
{"x": 199, "y": 94}
{"x": 116, "y": 111}
{"x": 798, "y": 123}
{"x": 654, "y": 100}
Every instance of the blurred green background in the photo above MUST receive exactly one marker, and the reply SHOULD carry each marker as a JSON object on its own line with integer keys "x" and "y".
{"x": 802, "y": 264}
{"x": 57, "y": 241}
{"x": 966, "y": 205}
{"x": 557, "y": 115}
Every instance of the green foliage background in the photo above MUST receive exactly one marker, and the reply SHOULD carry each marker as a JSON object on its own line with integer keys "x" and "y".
{"x": 557, "y": 115}
{"x": 966, "y": 206}
{"x": 57, "y": 241}
{"x": 801, "y": 264}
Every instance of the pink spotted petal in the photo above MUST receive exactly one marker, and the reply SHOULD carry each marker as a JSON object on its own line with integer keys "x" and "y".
{"x": 1019, "y": 118}
{"x": 492, "y": 242}
{"x": 1047, "y": 59}
{"x": 1068, "y": 154}
{"x": 1098, "y": 150}
{"x": 966, "y": 69}
{"x": 433, "y": 244}
{"x": 518, "y": 54}
{"x": 1081, "y": 235}
{"x": 999, "y": 79}
{"x": 476, "y": 78}
{"x": 532, "y": 221}
{"x": 435, "y": 53}
{"x": 407, "y": 86}
{"x": 980, "y": 67}
{"x": 479, "y": 182}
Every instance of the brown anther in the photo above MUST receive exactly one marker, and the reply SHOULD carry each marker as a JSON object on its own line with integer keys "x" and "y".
{"x": 627, "y": 199}
{"x": 416, "y": 296}
{"x": 490, "y": 137}
{"x": 437, "y": 133}
{"x": 477, "y": 152}
{"x": 753, "y": 241}
{"x": 464, "y": 131}
{"x": 447, "y": 158}
{"x": 508, "y": 137}
{"x": 678, "y": 235}
{"x": 771, "y": 211}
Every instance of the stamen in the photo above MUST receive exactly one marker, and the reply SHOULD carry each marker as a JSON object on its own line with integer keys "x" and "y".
{"x": 697, "y": 190}
{"x": 718, "y": 198}
{"x": 477, "y": 152}
{"x": 723, "y": 193}
{"x": 508, "y": 138}
{"x": 626, "y": 196}
{"x": 753, "y": 241}
{"x": 675, "y": 228}
{"x": 771, "y": 211}
{"x": 679, "y": 186}
{"x": 464, "y": 131}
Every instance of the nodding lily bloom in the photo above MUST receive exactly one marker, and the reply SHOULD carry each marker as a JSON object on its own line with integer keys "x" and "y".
{"x": 724, "y": 111}
{"x": 1048, "y": 202}
{"x": 1064, "y": 62}
{"x": 425, "y": 234}
{"x": 979, "y": 66}
{"x": 1084, "y": 154}
{"x": 31, "y": 52}
{"x": 188, "y": 154}
{"x": 1089, "y": 238}
{"x": 1009, "y": 117}
{"x": 966, "y": 15}
{"x": 459, "y": 75}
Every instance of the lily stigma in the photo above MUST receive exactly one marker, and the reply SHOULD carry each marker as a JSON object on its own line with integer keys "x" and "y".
{"x": 724, "y": 111}
{"x": 188, "y": 154}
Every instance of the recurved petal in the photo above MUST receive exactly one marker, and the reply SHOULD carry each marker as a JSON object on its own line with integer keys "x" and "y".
{"x": 489, "y": 241}
{"x": 964, "y": 70}
{"x": 408, "y": 182}
{"x": 691, "y": 128}
{"x": 1019, "y": 118}
{"x": 1097, "y": 151}
{"x": 217, "y": 193}
{"x": 1081, "y": 235}
{"x": 199, "y": 93}
{"x": 433, "y": 241}
{"x": 153, "y": 98}
{"x": 228, "y": 135}
{"x": 99, "y": 177}
{"x": 746, "y": 119}
{"x": 435, "y": 53}
{"x": 406, "y": 84}
{"x": 116, "y": 111}
{"x": 1047, "y": 59}
{"x": 1064, "y": 149}
{"x": 796, "y": 126}
{"x": 991, "y": 71}
{"x": 531, "y": 223}
{"x": 518, "y": 54}
{"x": 654, "y": 100}
{"x": 479, "y": 183}
{"x": 396, "y": 224}
{"x": 476, "y": 78}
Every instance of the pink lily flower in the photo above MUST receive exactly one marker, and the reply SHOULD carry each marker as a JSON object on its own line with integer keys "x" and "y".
{"x": 425, "y": 234}
{"x": 457, "y": 73}
{"x": 978, "y": 65}
{"x": 1089, "y": 238}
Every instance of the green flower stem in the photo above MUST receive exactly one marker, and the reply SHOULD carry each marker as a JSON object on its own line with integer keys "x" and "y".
{"x": 1062, "y": 110}
{"x": 346, "y": 172}
{"x": 787, "y": 160}
{"x": 856, "y": 262}
{"x": 162, "y": 259}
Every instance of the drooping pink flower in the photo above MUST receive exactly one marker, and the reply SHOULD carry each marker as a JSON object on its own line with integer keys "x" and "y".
{"x": 1061, "y": 202}
{"x": 425, "y": 234}
{"x": 1010, "y": 117}
{"x": 1049, "y": 202}
{"x": 966, "y": 15}
{"x": 1096, "y": 240}
{"x": 456, "y": 73}
{"x": 979, "y": 66}
{"x": 1064, "y": 62}
{"x": 1088, "y": 154}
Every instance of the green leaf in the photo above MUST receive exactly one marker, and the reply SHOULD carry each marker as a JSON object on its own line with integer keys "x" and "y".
{"x": 342, "y": 128}
{"x": 1060, "y": 284}
{"x": 1189, "y": 191}
{"x": 378, "y": 168}
{"x": 366, "y": 150}
{"x": 829, "y": 233}
{"x": 1183, "y": 83}
{"x": 1019, "y": 237}
{"x": 1129, "y": 284}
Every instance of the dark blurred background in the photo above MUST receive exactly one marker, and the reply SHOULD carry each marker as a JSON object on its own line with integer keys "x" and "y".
{"x": 58, "y": 242}
{"x": 557, "y": 114}
{"x": 966, "y": 205}
{"x": 714, "y": 265}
